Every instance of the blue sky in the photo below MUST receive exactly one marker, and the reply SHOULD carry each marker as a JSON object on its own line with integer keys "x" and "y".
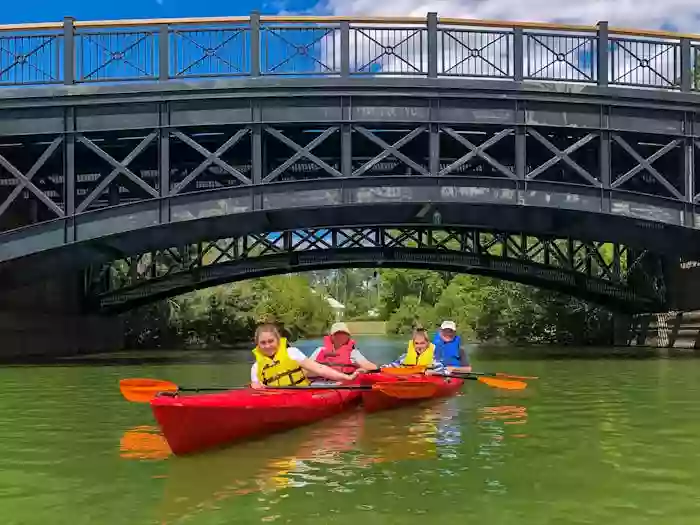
{"x": 682, "y": 15}
{"x": 14, "y": 12}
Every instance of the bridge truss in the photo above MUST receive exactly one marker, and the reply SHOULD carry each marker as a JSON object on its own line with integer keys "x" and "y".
{"x": 609, "y": 274}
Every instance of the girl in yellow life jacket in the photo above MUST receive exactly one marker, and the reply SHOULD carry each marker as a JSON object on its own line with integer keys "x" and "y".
{"x": 277, "y": 364}
{"x": 420, "y": 351}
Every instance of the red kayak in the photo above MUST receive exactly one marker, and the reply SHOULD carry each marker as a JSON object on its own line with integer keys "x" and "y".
{"x": 376, "y": 400}
{"x": 197, "y": 422}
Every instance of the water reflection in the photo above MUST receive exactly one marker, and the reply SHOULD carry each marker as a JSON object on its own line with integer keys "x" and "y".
{"x": 335, "y": 455}
{"x": 144, "y": 442}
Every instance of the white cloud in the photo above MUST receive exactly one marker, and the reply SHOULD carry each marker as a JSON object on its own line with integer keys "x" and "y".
{"x": 681, "y": 15}
{"x": 495, "y": 50}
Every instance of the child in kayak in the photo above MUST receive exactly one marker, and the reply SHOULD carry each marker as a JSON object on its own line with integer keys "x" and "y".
{"x": 420, "y": 352}
{"x": 339, "y": 351}
{"x": 277, "y": 364}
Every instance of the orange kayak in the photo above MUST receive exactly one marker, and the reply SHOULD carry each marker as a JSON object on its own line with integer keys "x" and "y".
{"x": 376, "y": 400}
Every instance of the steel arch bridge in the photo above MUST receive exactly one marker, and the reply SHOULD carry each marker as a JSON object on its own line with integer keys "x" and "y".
{"x": 605, "y": 273}
{"x": 152, "y": 139}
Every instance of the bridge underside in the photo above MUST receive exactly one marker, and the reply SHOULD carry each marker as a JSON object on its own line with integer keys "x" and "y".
{"x": 609, "y": 274}
{"x": 86, "y": 181}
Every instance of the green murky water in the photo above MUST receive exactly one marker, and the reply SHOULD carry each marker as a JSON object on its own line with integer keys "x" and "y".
{"x": 591, "y": 441}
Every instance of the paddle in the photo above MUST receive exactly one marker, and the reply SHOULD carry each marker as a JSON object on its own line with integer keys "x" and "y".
{"x": 501, "y": 374}
{"x": 506, "y": 384}
{"x": 144, "y": 390}
{"x": 402, "y": 370}
{"x": 483, "y": 377}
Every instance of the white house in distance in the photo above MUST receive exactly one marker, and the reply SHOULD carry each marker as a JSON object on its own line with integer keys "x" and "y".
{"x": 337, "y": 306}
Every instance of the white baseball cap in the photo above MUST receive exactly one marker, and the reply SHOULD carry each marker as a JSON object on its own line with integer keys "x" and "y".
{"x": 340, "y": 327}
{"x": 448, "y": 325}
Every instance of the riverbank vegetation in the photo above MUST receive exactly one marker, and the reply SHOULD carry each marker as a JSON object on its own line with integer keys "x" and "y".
{"x": 485, "y": 309}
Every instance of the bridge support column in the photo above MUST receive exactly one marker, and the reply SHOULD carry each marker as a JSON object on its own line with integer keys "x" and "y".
{"x": 679, "y": 330}
{"x": 45, "y": 319}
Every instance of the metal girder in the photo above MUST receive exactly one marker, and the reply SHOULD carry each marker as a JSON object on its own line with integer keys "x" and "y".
{"x": 232, "y": 159}
{"x": 564, "y": 156}
{"x": 607, "y": 273}
{"x": 210, "y": 158}
{"x": 119, "y": 167}
{"x": 645, "y": 164}
{"x": 300, "y": 152}
{"x": 478, "y": 151}
{"x": 390, "y": 150}
{"x": 25, "y": 180}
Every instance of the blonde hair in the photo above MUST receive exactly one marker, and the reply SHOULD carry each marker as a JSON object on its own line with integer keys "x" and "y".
{"x": 420, "y": 332}
{"x": 269, "y": 328}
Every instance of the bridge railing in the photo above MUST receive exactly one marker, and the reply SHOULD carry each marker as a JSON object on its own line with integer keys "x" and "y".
{"x": 78, "y": 52}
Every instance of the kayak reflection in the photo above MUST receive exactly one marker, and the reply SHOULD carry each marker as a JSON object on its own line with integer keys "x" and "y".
{"x": 331, "y": 454}
{"x": 269, "y": 464}
{"x": 144, "y": 442}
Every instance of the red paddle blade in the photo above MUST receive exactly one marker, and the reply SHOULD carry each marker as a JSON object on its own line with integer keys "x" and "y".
{"x": 409, "y": 390}
{"x": 143, "y": 390}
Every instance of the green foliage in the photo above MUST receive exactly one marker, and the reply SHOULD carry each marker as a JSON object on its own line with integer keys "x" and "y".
{"x": 228, "y": 314}
{"x": 488, "y": 309}
{"x": 484, "y": 309}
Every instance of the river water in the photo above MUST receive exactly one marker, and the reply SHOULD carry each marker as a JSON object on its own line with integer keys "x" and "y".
{"x": 592, "y": 441}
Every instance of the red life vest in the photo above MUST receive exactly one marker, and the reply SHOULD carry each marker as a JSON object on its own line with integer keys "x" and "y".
{"x": 338, "y": 358}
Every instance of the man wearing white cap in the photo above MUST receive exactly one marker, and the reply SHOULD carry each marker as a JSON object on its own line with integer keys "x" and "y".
{"x": 449, "y": 350}
{"x": 339, "y": 351}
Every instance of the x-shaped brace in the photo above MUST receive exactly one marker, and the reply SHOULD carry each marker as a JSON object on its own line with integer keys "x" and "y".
{"x": 211, "y": 158}
{"x": 403, "y": 235}
{"x": 516, "y": 244}
{"x": 548, "y": 248}
{"x": 300, "y": 152}
{"x": 478, "y": 151}
{"x": 646, "y": 164}
{"x": 25, "y": 181}
{"x": 593, "y": 253}
{"x": 312, "y": 239}
{"x": 357, "y": 237}
{"x": 119, "y": 167}
{"x": 392, "y": 149}
{"x": 443, "y": 242}
{"x": 223, "y": 252}
{"x": 560, "y": 155}
{"x": 268, "y": 246}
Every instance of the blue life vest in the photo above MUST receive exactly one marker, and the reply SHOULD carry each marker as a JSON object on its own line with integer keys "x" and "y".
{"x": 447, "y": 353}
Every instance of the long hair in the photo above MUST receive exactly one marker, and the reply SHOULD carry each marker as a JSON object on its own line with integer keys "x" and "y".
{"x": 266, "y": 327}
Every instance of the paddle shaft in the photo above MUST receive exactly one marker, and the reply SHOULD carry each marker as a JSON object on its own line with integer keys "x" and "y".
{"x": 310, "y": 387}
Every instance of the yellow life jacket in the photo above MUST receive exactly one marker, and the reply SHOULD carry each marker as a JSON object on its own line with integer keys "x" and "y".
{"x": 424, "y": 359}
{"x": 279, "y": 370}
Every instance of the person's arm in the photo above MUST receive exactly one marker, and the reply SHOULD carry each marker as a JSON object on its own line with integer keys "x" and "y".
{"x": 397, "y": 362}
{"x": 254, "y": 383}
{"x": 314, "y": 368}
{"x": 436, "y": 368}
{"x": 317, "y": 369}
{"x": 361, "y": 361}
{"x": 465, "y": 368}
{"x": 464, "y": 360}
